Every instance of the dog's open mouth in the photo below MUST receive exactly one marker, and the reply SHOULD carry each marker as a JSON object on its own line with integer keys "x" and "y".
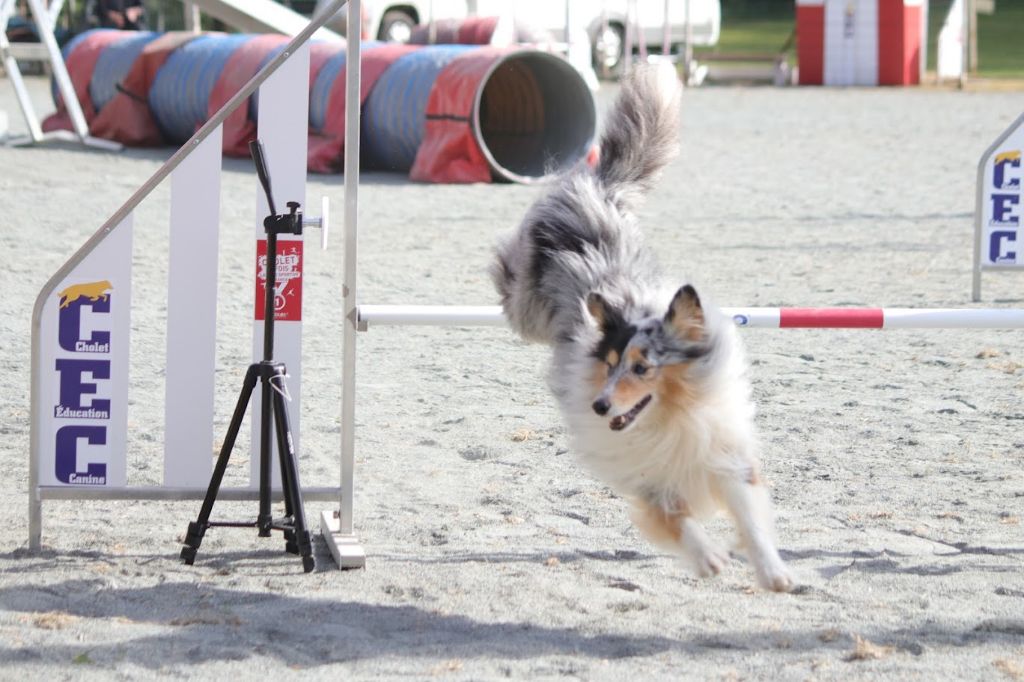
{"x": 624, "y": 420}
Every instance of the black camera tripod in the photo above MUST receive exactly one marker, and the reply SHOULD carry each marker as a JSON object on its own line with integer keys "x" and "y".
{"x": 272, "y": 376}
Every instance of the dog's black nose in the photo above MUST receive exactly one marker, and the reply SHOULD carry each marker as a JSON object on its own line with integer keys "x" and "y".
{"x": 601, "y": 406}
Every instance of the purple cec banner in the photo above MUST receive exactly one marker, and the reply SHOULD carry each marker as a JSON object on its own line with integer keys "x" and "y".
{"x": 84, "y": 370}
{"x": 1002, "y": 203}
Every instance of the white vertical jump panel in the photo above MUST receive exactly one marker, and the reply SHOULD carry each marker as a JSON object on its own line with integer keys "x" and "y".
{"x": 283, "y": 128}
{"x": 851, "y": 42}
{"x": 82, "y": 419}
{"x": 999, "y": 206}
{"x": 192, "y": 316}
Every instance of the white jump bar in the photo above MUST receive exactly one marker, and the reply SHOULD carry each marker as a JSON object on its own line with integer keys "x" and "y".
{"x": 771, "y": 318}
{"x": 431, "y": 315}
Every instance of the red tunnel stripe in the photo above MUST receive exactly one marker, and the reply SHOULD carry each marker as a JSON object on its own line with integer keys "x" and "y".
{"x": 859, "y": 318}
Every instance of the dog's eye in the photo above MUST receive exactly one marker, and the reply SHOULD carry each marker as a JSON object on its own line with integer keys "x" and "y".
{"x": 640, "y": 369}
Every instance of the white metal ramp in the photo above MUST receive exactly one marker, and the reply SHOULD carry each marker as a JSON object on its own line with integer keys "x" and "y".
{"x": 260, "y": 16}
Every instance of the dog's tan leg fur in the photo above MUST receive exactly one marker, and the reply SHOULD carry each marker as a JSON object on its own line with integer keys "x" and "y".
{"x": 748, "y": 502}
{"x": 678, "y": 532}
{"x": 657, "y": 525}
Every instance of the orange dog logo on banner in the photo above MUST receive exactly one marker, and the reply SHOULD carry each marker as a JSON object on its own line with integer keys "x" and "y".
{"x": 94, "y": 291}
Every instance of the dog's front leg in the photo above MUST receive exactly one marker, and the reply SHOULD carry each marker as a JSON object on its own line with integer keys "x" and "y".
{"x": 679, "y": 533}
{"x": 748, "y": 502}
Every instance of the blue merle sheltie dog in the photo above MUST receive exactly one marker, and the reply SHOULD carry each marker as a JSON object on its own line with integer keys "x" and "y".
{"x": 650, "y": 378}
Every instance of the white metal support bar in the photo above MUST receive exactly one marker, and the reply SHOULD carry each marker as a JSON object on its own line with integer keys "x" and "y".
{"x": 337, "y": 527}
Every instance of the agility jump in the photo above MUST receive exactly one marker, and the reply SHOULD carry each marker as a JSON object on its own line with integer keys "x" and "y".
{"x": 202, "y": 156}
{"x": 103, "y": 265}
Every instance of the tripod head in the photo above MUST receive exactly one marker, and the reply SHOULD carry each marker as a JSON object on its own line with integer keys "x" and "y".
{"x": 291, "y": 222}
{"x": 256, "y": 149}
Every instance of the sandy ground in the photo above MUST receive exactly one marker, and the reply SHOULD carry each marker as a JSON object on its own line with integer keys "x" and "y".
{"x": 895, "y": 458}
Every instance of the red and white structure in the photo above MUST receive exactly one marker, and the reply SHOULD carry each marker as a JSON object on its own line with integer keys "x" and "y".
{"x": 861, "y": 42}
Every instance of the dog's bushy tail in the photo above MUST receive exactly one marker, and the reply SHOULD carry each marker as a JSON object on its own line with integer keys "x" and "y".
{"x": 581, "y": 233}
{"x": 641, "y": 134}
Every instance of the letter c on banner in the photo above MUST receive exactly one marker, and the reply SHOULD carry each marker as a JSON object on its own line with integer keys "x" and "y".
{"x": 66, "y": 461}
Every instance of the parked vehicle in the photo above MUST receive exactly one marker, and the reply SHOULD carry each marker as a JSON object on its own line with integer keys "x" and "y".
{"x": 604, "y": 21}
{"x": 393, "y": 21}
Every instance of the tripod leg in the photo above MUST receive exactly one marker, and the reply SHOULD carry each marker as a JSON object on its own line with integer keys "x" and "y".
{"x": 279, "y": 373}
{"x": 292, "y": 489}
{"x": 264, "y": 519}
{"x": 197, "y": 528}
{"x": 289, "y": 511}
{"x": 290, "y": 545}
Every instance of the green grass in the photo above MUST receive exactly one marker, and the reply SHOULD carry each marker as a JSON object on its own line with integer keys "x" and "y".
{"x": 755, "y": 29}
{"x": 756, "y": 35}
{"x": 1001, "y": 41}
{"x": 1000, "y": 38}
{"x": 759, "y": 28}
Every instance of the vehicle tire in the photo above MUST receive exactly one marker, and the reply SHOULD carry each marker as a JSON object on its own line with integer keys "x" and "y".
{"x": 609, "y": 50}
{"x": 396, "y": 26}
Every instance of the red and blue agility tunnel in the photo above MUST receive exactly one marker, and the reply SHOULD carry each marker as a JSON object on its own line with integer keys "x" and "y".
{"x": 443, "y": 113}
{"x": 113, "y": 65}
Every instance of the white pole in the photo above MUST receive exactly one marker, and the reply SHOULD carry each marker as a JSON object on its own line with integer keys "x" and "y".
{"x": 568, "y": 28}
{"x": 754, "y": 317}
{"x": 954, "y": 318}
{"x": 349, "y": 293}
{"x": 972, "y": 33}
{"x": 965, "y": 39}
{"x": 641, "y": 39}
{"x": 688, "y": 46}
{"x": 53, "y": 13}
{"x": 431, "y": 24}
{"x": 338, "y": 532}
{"x": 627, "y": 48}
{"x": 602, "y": 37}
{"x": 666, "y": 33}
{"x": 193, "y": 17}
{"x": 430, "y": 315}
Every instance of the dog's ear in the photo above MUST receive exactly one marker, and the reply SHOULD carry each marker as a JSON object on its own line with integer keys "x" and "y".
{"x": 598, "y": 308}
{"x": 685, "y": 315}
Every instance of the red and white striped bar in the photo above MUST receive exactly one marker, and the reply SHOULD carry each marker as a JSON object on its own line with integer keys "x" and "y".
{"x": 771, "y": 318}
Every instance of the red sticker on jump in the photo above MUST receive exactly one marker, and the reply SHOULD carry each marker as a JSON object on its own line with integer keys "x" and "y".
{"x": 288, "y": 286}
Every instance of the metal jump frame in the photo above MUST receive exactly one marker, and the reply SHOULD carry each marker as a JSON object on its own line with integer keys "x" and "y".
{"x": 351, "y": 554}
{"x": 337, "y": 527}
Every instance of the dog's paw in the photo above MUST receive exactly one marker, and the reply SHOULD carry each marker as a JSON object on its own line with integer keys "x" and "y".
{"x": 709, "y": 560}
{"x": 775, "y": 576}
